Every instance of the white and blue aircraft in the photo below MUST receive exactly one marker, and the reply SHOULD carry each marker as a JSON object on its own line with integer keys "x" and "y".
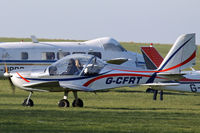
{"x": 38, "y": 55}
{"x": 89, "y": 73}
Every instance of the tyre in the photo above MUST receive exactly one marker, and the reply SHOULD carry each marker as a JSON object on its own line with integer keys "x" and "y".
{"x": 63, "y": 103}
{"x": 79, "y": 103}
{"x": 30, "y": 103}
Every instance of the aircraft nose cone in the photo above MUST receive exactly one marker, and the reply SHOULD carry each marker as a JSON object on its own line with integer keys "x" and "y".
{"x": 7, "y": 74}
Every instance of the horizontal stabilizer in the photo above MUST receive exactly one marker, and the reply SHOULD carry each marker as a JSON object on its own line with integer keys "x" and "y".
{"x": 178, "y": 76}
{"x": 160, "y": 84}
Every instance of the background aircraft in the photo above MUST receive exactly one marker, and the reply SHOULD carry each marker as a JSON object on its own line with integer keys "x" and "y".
{"x": 189, "y": 83}
{"x": 38, "y": 55}
{"x": 88, "y": 73}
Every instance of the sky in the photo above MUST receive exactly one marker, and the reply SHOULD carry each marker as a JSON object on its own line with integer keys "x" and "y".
{"x": 144, "y": 21}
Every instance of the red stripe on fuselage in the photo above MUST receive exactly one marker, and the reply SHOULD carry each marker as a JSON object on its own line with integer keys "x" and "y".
{"x": 114, "y": 75}
{"x": 179, "y": 65}
{"x": 122, "y": 74}
{"x": 23, "y": 77}
{"x": 190, "y": 80}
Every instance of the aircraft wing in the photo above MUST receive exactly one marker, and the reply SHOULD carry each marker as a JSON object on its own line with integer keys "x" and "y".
{"x": 75, "y": 87}
{"x": 117, "y": 61}
{"x": 42, "y": 84}
{"x": 57, "y": 84}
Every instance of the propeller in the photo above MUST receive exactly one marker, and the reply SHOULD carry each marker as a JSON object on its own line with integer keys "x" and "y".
{"x": 8, "y": 75}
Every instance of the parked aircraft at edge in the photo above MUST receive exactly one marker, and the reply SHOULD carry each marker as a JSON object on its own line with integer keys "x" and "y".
{"x": 38, "y": 55}
{"x": 190, "y": 82}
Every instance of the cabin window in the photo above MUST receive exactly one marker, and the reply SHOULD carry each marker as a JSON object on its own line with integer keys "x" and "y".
{"x": 97, "y": 54}
{"x": 24, "y": 55}
{"x": 48, "y": 56}
{"x": 62, "y": 54}
{"x": 78, "y": 53}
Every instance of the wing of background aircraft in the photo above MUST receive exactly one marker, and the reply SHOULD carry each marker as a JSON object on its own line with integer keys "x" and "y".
{"x": 117, "y": 61}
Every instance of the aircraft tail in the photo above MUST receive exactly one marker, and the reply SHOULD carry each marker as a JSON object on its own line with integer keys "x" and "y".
{"x": 152, "y": 57}
{"x": 181, "y": 55}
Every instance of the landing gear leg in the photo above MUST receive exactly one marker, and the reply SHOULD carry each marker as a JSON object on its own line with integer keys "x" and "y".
{"x": 64, "y": 102}
{"x": 77, "y": 102}
{"x": 155, "y": 94}
{"x": 161, "y": 95}
{"x": 28, "y": 101}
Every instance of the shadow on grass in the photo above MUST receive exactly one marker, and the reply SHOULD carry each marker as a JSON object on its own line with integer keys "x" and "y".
{"x": 143, "y": 92}
{"x": 140, "y": 109}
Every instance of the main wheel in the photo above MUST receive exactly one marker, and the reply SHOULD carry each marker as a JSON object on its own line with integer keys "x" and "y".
{"x": 63, "y": 103}
{"x": 78, "y": 103}
{"x": 30, "y": 103}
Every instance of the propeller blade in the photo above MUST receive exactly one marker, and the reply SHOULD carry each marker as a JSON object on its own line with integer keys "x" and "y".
{"x": 7, "y": 74}
{"x": 6, "y": 68}
{"x": 11, "y": 85}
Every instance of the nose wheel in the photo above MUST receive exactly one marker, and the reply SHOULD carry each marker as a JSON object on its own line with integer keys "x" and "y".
{"x": 28, "y": 101}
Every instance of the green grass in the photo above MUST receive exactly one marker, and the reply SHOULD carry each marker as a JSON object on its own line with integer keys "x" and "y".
{"x": 121, "y": 110}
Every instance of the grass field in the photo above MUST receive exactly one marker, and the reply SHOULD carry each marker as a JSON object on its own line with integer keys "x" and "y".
{"x": 120, "y": 110}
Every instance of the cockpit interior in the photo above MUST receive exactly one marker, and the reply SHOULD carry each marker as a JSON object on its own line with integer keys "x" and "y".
{"x": 77, "y": 64}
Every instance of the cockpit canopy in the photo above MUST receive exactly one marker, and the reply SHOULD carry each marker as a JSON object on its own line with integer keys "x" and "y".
{"x": 111, "y": 44}
{"x": 77, "y": 64}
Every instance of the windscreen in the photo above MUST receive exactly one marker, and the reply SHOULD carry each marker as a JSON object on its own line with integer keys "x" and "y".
{"x": 74, "y": 65}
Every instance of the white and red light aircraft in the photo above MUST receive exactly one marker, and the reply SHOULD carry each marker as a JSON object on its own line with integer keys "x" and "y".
{"x": 88, "y": 73}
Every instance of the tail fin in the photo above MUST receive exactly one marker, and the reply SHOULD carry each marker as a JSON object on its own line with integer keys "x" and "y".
{"x": 181, "y": 55}
{"x": 152, "y": 57}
